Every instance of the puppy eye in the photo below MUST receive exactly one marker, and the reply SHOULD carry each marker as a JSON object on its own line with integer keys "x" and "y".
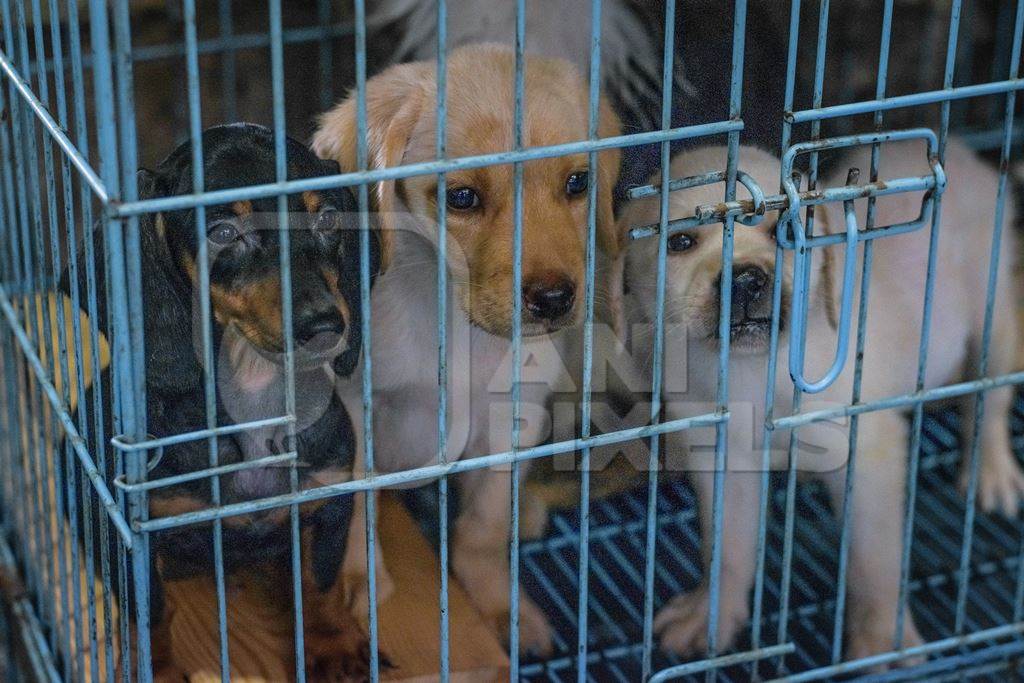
{"x": 223, "y": 232}
{"x": 577, "y": 183}
{"x": 463, "y": 199}
{"x": 681, "y": 242}
{"x": 329, "y": 219}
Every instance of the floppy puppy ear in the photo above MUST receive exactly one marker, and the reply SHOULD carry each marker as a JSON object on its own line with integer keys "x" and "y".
{"x": 611, "y": 239}
{"x": 829, "y": 287}
{"x": 394, "y": 101}
{"x": 147, "y": 183}
{"x": 331, "y": 165}
{"x": 171, "y": 353}
{"x": 610, "y": 236}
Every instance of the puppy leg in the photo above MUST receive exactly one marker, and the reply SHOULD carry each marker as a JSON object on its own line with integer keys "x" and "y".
{"x": 877, "y": 529}
{"x": 480, "y": 557}
{"x": 1000, "y": 478}
{"x": 355, "y": 563}
{"x": 162, "y": 664}
{"x": 533, "y": 515}
{"x": 336, "y": 647}
{"x": 682, "y": 624}
{"x": 161, "y": 645}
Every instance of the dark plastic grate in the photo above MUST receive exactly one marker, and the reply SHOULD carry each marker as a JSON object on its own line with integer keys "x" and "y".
{"x": 617, "y": 561}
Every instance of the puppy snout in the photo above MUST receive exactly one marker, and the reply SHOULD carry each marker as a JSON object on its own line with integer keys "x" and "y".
{"x": 749, "y": 289}
{"x": 549, "y": 297}
{"x": 320, "y": 327}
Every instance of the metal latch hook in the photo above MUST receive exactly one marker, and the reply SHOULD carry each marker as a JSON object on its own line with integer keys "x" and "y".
{"x": 801, "y": 264}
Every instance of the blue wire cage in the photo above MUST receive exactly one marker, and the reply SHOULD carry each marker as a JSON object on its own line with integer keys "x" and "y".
{"x": 80, "y": 116}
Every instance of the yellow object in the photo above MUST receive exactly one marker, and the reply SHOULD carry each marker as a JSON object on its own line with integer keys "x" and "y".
{"x": 54, "y": 562}
{"x": 49, "y": 353}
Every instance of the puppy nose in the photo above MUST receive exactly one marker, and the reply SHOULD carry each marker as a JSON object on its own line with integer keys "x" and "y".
{"x": 549, "y": 297}
{"x": 319, "y": 322}
{"x": 748, "y": 286}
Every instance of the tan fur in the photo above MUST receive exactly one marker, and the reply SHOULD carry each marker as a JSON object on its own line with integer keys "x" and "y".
{"x": 392, "y": 106}
{"x": 331, "y": 277}
{"x": 336, "y": 647}
{"x": 168, "y": 506}
{"x": 1019, "y": 271}
{"x": 242, "y": 208}
{"x": 312, "y": 201}
{"x": 254, "y": 309}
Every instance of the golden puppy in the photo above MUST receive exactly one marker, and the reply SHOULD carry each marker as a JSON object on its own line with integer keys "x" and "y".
{"x": 694, "y": 267}
{"x": 401, "y": 120}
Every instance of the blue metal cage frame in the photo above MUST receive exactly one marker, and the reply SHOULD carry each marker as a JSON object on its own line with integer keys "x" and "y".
{"x": 64, "y": 170}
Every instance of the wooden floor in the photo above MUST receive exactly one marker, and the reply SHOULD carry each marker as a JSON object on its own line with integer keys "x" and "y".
{"x": 260, "y": 634}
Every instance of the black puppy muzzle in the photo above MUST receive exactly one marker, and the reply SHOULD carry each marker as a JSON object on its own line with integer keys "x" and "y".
{"x": 751, "y": 303}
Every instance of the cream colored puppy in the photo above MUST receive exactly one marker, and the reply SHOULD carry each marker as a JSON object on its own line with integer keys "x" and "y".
{"x": 894, "y": 321}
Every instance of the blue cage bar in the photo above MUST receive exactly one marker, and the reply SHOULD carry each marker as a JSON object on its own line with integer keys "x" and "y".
{"x": 68, "y": 167}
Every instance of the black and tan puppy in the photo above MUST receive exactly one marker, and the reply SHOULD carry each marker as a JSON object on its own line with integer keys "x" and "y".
{"x": 243, "y": 250}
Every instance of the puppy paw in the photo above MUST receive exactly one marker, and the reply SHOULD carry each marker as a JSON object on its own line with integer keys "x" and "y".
{"x": 1000, "y": 483}
{"x": 480, "y": 563}
{"x": 870, "y": 636}
{"x": 359, "y": 593}
{"x": 535, "y": 637}
{"x": 682, "y": 624}
{"x": 533, "y": 516}
{"x": 339, "y": 656}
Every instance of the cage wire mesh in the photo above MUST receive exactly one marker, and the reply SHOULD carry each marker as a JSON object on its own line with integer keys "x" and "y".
{"x": 93, "y": 90}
